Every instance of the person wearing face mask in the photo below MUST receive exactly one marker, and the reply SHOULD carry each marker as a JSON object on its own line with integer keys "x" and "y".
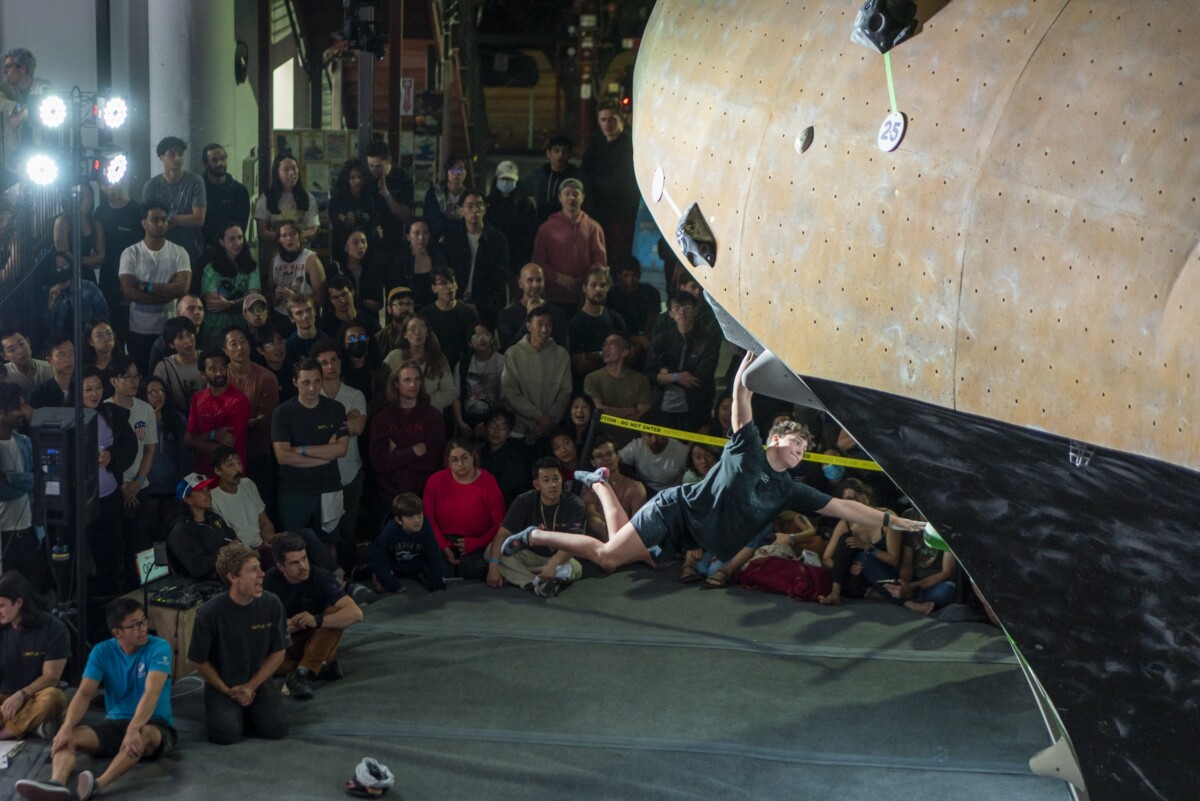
{"x": 360, "y": 359}
{"x": 513, "y": 212}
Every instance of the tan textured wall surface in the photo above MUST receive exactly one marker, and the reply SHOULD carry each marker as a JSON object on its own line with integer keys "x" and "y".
{"x": 1028, "y": 253}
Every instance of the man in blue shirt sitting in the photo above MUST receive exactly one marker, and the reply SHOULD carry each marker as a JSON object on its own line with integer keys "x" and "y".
{"x": 135, "y": 671}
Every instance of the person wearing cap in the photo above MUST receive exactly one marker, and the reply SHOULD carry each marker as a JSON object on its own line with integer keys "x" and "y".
{"x": 613, "y": 195}
{"x": 513, "y": 213}
{"x": 542, "y": 185}
{"x": 400, "y": 304}
{"x": 261, "y": 318}
{"x": 568, "y": 245}
{"x": 478, "y": 254}
{"x": 199, "y": 533}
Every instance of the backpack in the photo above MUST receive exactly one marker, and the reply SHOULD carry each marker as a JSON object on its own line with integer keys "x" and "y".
{"x": 788, "y": 576}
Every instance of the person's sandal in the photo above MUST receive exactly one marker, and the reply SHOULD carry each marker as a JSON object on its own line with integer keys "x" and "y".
{"x": 689, "y": 574}
{"x": 716, "y": 581}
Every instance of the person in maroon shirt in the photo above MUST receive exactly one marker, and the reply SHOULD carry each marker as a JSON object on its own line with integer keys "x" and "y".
{"x": 407, "y": 436}
{"x": 220, "y": 413}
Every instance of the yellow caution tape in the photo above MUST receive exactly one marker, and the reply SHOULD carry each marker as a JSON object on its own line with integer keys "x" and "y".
{"x": 719, "y": 442}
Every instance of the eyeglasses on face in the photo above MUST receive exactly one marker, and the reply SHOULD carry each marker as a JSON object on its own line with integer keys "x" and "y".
{"x": 356, "y": 338}
{"x": 136, "y": 625}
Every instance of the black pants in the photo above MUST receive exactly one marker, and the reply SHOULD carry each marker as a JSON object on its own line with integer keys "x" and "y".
{"x": 139, "y": 347}
{"x": 229, "y": 722}
{"x": 843, "y": 556}
{"x": 21, "y": 551}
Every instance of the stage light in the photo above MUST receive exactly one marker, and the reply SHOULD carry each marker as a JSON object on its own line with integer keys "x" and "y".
{"x": 113, "y": 112}
{"x": 53, "y": 111}
{"x": 41, "y": 169}
{"x": 114, "y": 168}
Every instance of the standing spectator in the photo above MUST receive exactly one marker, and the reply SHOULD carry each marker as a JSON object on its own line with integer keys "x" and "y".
{"x": 286, "y": 200}
{"x": 395, "y": 189}
{"x": 57, "y": 390}
{"x": 18, "y": 91}
{"x": 511, "y": 325}
{"x": 400, "y": 305}
{"x": 229, "y": 278}
{"x": 22, "y": 369}
{"x": 22, "y": 550}
{"x": 513, "y": 213}
{"x": 638, "y": 303}
{"x": 536, "y": 382}
{"x": 501, "y": 457}
{"x": 34, "y": 646}
{"x": 261, "y": 319}
{"x": 464, "y": 506}
{"x": 191, "y": 307}
{"x": 238, "y": 643}
{"x": 295, "y": 271}
{"x": 59, "y": 317}
{"x": 272, "y": 350}
{"x": 172, "y": 459}
{"x": 121, "y": 219}
{"x": 343, "y": 308}
{"x": 413, "y": 266}
{"x": 309, "y": 435}
{"x": 219, "y": 414}
{"x": 261, "y": 389}
{"x": 407, "y": 435}
{"x": 613, "y": 195}
{"x": 117, "y": 447}
{"x": 682, "y": 365}
{"x": 442, "y": 199}
{"x": 360, "y": 359}
{"x": 478, "y": 380}
{"x": 180, "y": 370}
{"x": 362, "y": 272}
{"x": 124, "y": 378}
{"x": 134, "y": 669}
{"x": 422, "y": 346}
{"x": 100, "y": 345}
{"x": 154, "y": 273}
{"x": 182, "y": 194}
{"x": 450, "y": 320}
{"x": 350, "y": 466}
{"x": 542, "y": 184}
{"x": 478, "y": 254}
{"x": 228, "y": 200}
{"x": 305, "y": 334}
{"x": 591, "y": 325}
{"x": 568, "y": 245}
{"x": 91, "y": 238}
{"x": 354, "y": 204}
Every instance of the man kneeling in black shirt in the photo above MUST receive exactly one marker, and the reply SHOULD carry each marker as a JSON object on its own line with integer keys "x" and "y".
{"x": 317, "y": 611}
{"x": 238, "y": 641}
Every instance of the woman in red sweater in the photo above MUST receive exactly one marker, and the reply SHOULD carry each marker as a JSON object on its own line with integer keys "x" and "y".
{"x": 464, "y": 506}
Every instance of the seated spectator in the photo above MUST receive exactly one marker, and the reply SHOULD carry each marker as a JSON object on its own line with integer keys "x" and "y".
{"x": 422, "y": 346}
{"x": 134, "y": 670}
{"x": 501, "y": 457}
{"x": 928, "y": 577}
{"x": 701, "y": 458}
{"x": 638, "y": 303}
{"x": 478, "y": 254}
{"x": 510, "y": 327}
{"x": 295, "y": 272}
{"x": 180, "y": 371}
{"x": 59, "y": 318}
{"x": 406, "y": 548}
{"x": 477, "y": 377}
{"x": 237, "y": 500}
{"x": 860, "y": 557}
{"x": 407, "y": 436}
{"x": 219, "y": 415}
{"x": 562, "y": 448}
{"x": 399, "y": 306}
{"x": 567, "y": 245}
{"x": 304, "y": 332}
{"x": 591, "y": 325}
{"x": 536, "y": 381}
{"x": 464, "y": 507}
{"x": 631, "y": 493}
{"x": 317, "y": 611}
{"x": 34, "y": 646}
{"x": 658, "y": 460}
{"x": 22, "y": 369}
{"x": 413, "y": 266}
{"x": 342, "y": 308}
{"x": 682, "y": 365}
{"x": 56, "y": 391}
{"x": 190, "y": 307}
{"x": 199, "y": 533}
{"x": 542, "y": 570}
{"x": 790, "y": 536}
{"x": 722, "y": 420}
{"x": 100, "y": 345}
{"x": 239, "y": 641}
{"x": 450, "y": 320}
{"x": 616, "y": 388}
{"x": 354, "y": 205}
{"x": 578, "y": 421}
